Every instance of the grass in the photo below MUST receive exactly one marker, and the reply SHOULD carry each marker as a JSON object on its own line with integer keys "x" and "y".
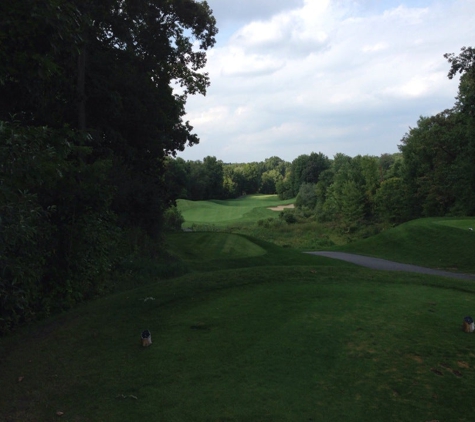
{"x": 306, "y": 235}
{"x": 221, "y": 213}
{"x": 253, "y": 344}
{"x": 431, "y": 242}
{"x": 218, "y": 246}
{"x": 251, "y": 216}
{"x": 260, "y": 332}
{"x": 205, "y": 251}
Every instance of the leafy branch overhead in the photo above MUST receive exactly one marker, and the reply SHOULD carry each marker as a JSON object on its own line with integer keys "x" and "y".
{"x": 464, "y": 62}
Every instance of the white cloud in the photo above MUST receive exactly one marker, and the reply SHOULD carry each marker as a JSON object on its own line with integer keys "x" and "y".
{"x": 236, "y": 62}
{"x": 210, "y": 116}
{"x": 375, "y": 47}
{"x": 330, "y": 76}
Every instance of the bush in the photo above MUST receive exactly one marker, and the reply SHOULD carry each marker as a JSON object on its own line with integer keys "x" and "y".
{"x": 57, "y": 235}
{"x": 268, "y": 222}
{"x": 173, "y": 219}
{"x": 288, "y": 216}
{"x": 24, "y": 235}
{"x": 206, "y": 228}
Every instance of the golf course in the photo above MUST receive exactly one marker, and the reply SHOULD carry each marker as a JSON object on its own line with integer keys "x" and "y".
{"x": 254, "y": 331}
{"x": 221, "y": 213}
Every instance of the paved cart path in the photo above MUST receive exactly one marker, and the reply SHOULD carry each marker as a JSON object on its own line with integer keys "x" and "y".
{"x": 384, "y": 264}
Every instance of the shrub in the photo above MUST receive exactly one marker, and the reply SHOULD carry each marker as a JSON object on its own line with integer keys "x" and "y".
{"x": 288, "y": 216}
{"x": 57, "y": 235}
{"x": 173, "y": 219}
{"x": 24, "y": 235}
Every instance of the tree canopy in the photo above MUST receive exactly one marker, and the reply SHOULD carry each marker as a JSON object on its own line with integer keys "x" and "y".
{"x": 109, "y": 68}
{"x": 92, "y": 100}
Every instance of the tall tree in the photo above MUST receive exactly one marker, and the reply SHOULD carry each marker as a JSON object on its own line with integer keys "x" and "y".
{"x": 36, "y": 37}
{"x": 391, "y": 201}
{"x": 269, "y": 180}
{"x": 276, "y": 163}
{"x": 307, "y": 196}
{"x": 176, "y": 178}
{"x": 110, "y": 67}
{"x": 431, "y": 153}
{"x": 117, "y": 74}
{"x": 307, "y": 169}
{"x": 214, "y": 176}
{"x": 439, "y": 153}
{"x": 252, "y": 177}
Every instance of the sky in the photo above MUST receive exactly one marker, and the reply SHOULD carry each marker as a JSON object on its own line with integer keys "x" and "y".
{"x": 292, "y": 77}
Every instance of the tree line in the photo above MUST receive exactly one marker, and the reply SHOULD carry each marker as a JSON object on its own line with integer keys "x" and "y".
{"x": 432, "y": 175}
{"x": 88, "y": 117}
{"x": 210, "y": 178}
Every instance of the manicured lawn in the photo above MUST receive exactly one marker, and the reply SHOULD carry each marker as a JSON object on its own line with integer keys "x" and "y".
{"x": 206, "y": 245}
{"x": 207, "y": 251}
{"x": 259, "y": 332}
{"x": 221, "y": 213}
{"x": 431, "y": 242}
{"x": 460, "y": 223}
{"x": 259, "y": 344}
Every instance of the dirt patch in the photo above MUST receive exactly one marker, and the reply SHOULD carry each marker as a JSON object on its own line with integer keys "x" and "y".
{"x": 281, "y": 207}
{"x": 417, "y": 358}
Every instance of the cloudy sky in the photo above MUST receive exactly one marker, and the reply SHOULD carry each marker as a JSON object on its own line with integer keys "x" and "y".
{"x": 291, "y": 77}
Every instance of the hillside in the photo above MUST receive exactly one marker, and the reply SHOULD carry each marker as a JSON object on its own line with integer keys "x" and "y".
{"x": 256, "y": 332}
{"x": 445, "y": 243}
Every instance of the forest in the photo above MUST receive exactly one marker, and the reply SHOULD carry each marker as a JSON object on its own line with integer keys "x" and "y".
{"x": 90, "y": 125}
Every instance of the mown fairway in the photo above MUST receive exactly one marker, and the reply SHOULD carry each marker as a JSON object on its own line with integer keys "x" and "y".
{"x": 220, "y": 213}
{"x": 265, "y": 335}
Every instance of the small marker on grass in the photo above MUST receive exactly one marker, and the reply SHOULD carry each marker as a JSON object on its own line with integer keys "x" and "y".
{"x": 146, "y": 338}
{"x": 468, "y": 325}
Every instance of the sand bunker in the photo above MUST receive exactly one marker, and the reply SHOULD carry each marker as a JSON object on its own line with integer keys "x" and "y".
{"x": 281, "y": 207}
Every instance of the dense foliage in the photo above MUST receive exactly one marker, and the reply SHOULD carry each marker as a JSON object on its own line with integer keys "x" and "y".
{"x": 213, "y": 179}
{"x": 88, "y": 117}
{"x": 434, "y": 175}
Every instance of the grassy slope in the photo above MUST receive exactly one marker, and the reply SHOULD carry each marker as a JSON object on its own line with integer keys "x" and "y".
{"x": 221, "y": 213}
{"x": 205, "y": 251}
{"x": 256, "y": 333}
{"x": 432, "y": 242}
{"x": 252, "y": 344}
